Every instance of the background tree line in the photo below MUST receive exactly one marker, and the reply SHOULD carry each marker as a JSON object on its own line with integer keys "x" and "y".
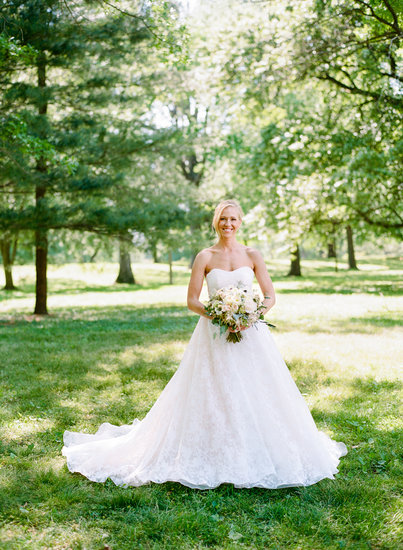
{"x": 130, "y": 120}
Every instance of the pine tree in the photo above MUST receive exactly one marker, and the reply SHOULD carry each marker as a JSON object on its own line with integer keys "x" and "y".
{"x": 76, "y": 97}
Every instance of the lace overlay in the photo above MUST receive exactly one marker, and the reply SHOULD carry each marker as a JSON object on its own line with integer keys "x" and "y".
{"x": 230, "y": 414}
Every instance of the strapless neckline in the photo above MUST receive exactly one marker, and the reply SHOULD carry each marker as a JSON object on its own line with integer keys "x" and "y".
{"x": 229, "y": 270}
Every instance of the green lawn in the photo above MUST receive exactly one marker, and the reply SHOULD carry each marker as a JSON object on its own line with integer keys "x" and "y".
{"x": 107, "y": 351}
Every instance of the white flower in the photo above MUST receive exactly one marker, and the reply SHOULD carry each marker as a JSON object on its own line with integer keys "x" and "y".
{"x": 250, "y": 304}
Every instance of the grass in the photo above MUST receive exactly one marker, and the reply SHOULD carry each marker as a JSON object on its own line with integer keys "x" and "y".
{"x": 107, "y": 351}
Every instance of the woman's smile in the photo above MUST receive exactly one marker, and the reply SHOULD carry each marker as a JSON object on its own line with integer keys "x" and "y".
{"x": 229, "y": 221}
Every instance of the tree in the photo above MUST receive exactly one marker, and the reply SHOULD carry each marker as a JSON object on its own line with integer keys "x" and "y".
{"x": 8, "y": 248}
{"x": 75, "y": 96}
{"x": 303, "y": 127}
{"x": 352, "y": 264}
{"x": 354, "y": 47}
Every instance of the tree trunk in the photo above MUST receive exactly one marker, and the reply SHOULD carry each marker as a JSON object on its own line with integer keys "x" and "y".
{"x": 171, "y": 276}
{"x": 41, "y": 236}
{"x": 331, "y": 250}
{"x": 8, "y": 247}
{"x": 352, "y": 264}
{"x": 295, "y": 268}
{"x": 41, "y": 264}
{"x": 193, "y": 171}
{"x": 125, "y": 269}
{"x": 92, "y": 257}
{"x": 154, "y": 252}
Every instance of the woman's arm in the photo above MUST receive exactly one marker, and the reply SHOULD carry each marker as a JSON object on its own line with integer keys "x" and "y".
{"x": 264, "y": 280}
{"x": 196, "y": 284}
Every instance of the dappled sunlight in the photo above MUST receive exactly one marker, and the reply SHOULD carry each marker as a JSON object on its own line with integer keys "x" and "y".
{"x": 317, "y": 383}
{"x": 112, "y": 402}
{"x": 345, "y": 354}
{"x": 157, "y": 353}
{"x": 389, "y": 423}
{"x": 312, "y": 308}
{"x": 23, "y": 427}
{"x": 53, "y": 537}
{"x": 167, "y": 295}
{"x": 126, "y": 385}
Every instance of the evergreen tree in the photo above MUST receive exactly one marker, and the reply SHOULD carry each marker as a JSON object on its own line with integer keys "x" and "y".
{"x": 79, "y": 94}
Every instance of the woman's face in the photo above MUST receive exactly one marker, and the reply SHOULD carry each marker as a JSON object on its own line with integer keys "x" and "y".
{"x": 229, "y": 221}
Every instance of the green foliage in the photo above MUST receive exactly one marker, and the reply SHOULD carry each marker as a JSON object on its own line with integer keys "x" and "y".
{"x": 141, "y": 125}
{"x": 11, "y": 51}
{"x": 355, "y": 46}
{"x": 75, "y": 134}
{"x": 320, "y": 136}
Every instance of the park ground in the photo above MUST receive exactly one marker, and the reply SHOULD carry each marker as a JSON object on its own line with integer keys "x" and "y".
{"x": 106, "y": 352}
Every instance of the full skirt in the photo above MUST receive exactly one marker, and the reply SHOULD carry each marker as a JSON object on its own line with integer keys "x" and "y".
{"x": 231, "y": 413}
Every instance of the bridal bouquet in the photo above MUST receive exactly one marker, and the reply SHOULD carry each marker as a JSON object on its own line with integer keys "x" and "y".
{"x": 235, "y": 307}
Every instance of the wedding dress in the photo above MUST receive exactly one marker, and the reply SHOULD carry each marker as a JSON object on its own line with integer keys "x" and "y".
{"x": 230, "y": 414}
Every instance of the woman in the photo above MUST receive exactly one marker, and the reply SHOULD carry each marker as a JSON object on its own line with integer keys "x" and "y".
{"x": 230, "y": 414}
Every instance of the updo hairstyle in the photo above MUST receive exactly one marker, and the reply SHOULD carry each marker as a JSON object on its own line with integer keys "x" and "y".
{"x": 219, "y": 209}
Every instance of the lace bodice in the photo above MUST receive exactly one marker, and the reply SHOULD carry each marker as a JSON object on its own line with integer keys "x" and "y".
{"x": 218, "y": 278}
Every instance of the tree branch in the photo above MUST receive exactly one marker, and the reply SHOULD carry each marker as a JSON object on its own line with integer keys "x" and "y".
{"x": 379, "y": 223}
{"x": 358, "y": 91}
{"x": 378, "y": 17}
{"x": 394, "y": 16}
{"x": 392, "y": 75}
{"x": 134, "y": 16}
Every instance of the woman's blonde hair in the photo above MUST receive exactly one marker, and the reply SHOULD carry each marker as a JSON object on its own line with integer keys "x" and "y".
{"x": 218, "y": 211}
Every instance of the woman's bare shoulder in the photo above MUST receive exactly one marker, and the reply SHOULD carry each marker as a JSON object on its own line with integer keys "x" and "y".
{"x": 254, "y": 254}
{"x": 206, "y": 252}
{"x": 204, "y": 255}
{"x": 252, "y": 251}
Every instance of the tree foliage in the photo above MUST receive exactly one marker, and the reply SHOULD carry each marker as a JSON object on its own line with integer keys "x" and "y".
{"x": 118, "y": 119}
{"x": 75, "y": 97}
{"x": 324, "y": 94}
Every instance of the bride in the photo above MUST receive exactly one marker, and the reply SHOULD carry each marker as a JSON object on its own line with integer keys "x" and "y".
{"x": 230, "y": 414}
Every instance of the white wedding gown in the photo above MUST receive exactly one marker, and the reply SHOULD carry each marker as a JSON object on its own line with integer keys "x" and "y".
{"x": 230, "y": 414}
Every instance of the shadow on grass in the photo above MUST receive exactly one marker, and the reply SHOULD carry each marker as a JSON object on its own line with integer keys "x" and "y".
{"x": 50, "y": 360}
{"x": 341, "y": 283}
{"x": 73, "y": 287}
{"x": 386, "y": 321}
